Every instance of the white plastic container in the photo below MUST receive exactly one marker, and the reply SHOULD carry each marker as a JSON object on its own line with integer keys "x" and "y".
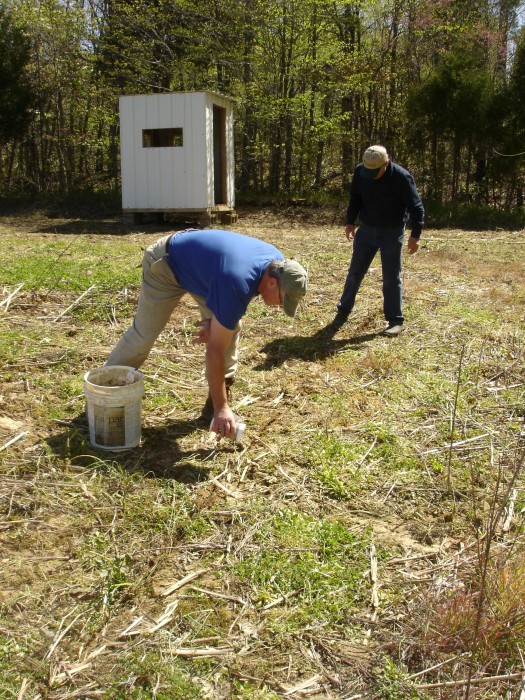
{"x": 114, "y": 406}
{"x": 240, "y": 427}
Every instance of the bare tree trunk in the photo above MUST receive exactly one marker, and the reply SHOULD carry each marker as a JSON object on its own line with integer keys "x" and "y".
{"x": 249, "y": 130}
{"x": 350, "y": 34}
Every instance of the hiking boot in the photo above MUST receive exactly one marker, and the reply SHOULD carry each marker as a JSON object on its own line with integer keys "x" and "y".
{"x": 393, "y": 329}
{"x": 208, "y": 411}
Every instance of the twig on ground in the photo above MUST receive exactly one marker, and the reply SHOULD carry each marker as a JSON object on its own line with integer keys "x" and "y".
{"x": 13, "y": 440}
{"x": 453, "y": 423}
{"x": 373, "y": 579}
{"x": 214, "y": 594}
{"x": 221, "y": 486}
{"x": 436, "y": 666}
{"x": 467, "y": 681}
{"x": 510, "y": 511}
{"x": 455, "y": 444}
{"x": 205, "y": 651}
{"x": 75, "y": 303}
{"x": 183, "y": 581}
{"x": 277, "y": 601}
{"x": 8, "y": 299}
{"x": 61, "y": 635}
{"x": 314, "y": 680}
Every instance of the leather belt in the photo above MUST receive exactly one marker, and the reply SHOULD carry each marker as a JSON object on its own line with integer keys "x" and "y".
{"x": 168, "y": 239}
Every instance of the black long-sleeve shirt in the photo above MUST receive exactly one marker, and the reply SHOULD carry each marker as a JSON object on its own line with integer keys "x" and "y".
{"x": 389, "y": 201}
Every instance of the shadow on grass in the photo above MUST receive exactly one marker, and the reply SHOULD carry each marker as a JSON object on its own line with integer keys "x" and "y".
{"x": 158, "y": 456}
{"x": 113, "y": 227}
{"x": 310, "y": 348}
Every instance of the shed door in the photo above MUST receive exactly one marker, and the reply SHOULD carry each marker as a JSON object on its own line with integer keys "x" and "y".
{"x": 219, "y": 154}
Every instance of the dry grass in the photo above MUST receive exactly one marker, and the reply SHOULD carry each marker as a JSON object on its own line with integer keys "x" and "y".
{"x": 182, "y": 570}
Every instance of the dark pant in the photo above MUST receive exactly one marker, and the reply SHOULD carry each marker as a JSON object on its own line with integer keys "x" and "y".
{"x": 368, "y": 240}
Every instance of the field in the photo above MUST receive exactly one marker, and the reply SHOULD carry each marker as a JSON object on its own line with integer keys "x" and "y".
{"x": 365, "y": 541}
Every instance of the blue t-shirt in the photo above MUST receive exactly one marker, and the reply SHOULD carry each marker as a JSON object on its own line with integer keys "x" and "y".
{"x": 224, "y": 267}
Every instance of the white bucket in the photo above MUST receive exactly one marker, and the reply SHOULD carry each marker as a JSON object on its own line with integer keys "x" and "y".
{"x": 113, "y": 406}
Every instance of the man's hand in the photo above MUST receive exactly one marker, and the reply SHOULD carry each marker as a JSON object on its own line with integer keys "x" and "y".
{"x": 413, "y": 245}
{"x": 223, "y": 422}
{"x": 202, "y": 335}
{"x": 350, "y": 232}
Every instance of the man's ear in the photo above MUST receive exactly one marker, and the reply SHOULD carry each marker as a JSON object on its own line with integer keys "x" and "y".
{"x": 273, "y": 282}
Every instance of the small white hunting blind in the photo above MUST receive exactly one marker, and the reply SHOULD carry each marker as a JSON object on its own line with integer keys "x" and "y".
{"x": 177, "y": 156}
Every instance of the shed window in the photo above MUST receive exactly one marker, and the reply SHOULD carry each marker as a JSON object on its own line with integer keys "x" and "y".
{"x": 161, "y": 138}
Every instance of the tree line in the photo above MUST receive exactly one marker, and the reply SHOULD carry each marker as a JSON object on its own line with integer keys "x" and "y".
{"x": 441, "y": 83}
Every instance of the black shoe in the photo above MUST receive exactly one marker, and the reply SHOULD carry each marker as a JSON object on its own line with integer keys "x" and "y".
{"x": 208, "y": 411}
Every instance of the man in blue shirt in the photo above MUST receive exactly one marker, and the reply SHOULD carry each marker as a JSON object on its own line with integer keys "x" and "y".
{"x": 223, "y": 271}
{"x": 383, "y": 195}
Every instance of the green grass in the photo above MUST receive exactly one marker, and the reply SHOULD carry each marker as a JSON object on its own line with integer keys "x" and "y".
{"x": 317, "y": 561}
{"x": 71, "y": 264}
{"x": 335, "y": 464}
{"x": 393, "y": 683}
{"x": 347, "y": 444}
{"x": 143, "y": 675}
{"x": 249, "y": 691}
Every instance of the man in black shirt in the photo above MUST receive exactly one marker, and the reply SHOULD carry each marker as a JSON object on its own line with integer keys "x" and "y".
{"x": 384, "y": 196}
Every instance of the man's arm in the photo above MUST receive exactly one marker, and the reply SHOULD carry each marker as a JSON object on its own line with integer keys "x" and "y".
{"x": 354, "y": 206}
{"x": 416, "y": 210}
{"x": 217, "y": 338}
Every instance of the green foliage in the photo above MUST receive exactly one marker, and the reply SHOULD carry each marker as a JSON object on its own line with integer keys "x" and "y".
{"x": 455, "y": 96}
{"x": 313, "y": 83}
{"x": 333, "y": 461}
{"x": 393, "y": 683}
{"x": 248, "y": 691}
{"x": 112, "y": 570}
{"x": 16, "y": 95}
{"x": 10, "y": 650}
{"x": 512, "y": 139}
{"x": 337, "y": 463}
{"x": 517, "y": 81}
{"x": 318, "y": 562}
{"x": 475, "y": 217}
{"x": 143, "y": 676}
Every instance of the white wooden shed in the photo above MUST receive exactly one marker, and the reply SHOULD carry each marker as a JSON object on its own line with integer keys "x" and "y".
{"x": 177, "y": 156}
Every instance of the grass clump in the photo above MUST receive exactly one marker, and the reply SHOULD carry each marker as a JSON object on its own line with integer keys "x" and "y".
{"x": 499, "y": 617}
{"x": 112, "y": 569}
{"x": 343, "y": 467}
{"x": 249, "y": 691}
{"x": 317, "y": 561}
{"x": 333, "y": 461}
{"x": 142, "y": 675}
{"x": 393, "y": 683}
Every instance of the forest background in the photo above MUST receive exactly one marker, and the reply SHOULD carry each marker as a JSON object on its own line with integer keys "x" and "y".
{"x": 440, "y": 82}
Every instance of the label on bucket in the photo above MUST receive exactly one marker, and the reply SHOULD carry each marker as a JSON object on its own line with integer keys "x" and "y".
{"x": 110, "y": 425}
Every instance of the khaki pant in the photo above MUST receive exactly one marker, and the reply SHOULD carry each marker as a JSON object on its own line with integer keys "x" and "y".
{"x": 159, "y": 295}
